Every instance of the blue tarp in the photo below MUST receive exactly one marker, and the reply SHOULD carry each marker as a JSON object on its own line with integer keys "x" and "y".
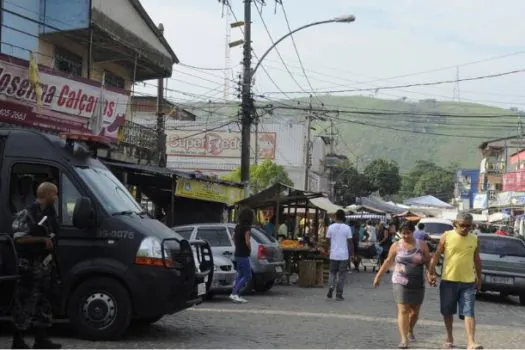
{"x": 427, "y": 201}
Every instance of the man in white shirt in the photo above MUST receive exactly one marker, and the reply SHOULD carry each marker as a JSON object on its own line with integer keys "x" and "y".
{"x": 339, "y": 237}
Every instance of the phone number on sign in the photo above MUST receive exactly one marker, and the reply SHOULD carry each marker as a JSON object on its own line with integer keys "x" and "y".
{"x": 9, "y": 113}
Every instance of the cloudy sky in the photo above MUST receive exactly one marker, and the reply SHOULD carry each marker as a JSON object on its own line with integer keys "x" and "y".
{"x": 392, "y": 42}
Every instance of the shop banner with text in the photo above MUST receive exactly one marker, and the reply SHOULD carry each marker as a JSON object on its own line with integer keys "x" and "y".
{"x": 208, "y": 191}
{"x": 67, "y": 104}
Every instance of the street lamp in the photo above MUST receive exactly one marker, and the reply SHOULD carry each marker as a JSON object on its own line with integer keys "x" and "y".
{"x": 341, "y": 19}
{"x": 247, "y": 82}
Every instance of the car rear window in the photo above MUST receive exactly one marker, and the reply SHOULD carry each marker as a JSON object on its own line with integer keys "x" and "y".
{"x": 215, "y": 236}
{"x": 257, "y": 234}
{"x": 500, "y": 245}
{"x": 261, "y": 236}
{"x": 184, "y": 232}
{"x": 436, "y": 228}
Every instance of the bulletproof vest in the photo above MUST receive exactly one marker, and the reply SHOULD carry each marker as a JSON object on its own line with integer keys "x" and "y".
{"x": 38, "y": 250}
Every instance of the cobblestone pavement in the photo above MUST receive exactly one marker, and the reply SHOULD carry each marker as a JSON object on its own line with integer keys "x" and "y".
{"x": 293, "y": 317}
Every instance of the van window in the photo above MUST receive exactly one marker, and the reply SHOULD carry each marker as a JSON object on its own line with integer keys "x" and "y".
{"x": 215, "y": 236}
{"x": 25, "y": 178}
{"x": 501, "y": 246}
{"x": 109, "y": 190}
{"x": 435, "y": 228}
{"x": 68, "y": 198}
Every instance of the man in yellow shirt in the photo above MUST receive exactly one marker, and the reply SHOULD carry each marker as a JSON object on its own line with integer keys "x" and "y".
{"x": 461, "y": 277}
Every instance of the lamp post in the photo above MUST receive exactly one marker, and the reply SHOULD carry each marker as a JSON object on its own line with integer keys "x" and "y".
{"x": 247, "y": 102}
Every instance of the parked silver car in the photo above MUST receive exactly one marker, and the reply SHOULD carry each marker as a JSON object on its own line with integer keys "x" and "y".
{"x": 267, "y": 259}
{"x": 503, "y": 265}
{"x": 224, "y": 272}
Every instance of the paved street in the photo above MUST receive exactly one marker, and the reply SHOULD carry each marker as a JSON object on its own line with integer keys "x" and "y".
{"x": 293, "y": 317}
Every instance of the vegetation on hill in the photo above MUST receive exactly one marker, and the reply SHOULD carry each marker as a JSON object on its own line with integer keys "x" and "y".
{"x": 401, "y": 130}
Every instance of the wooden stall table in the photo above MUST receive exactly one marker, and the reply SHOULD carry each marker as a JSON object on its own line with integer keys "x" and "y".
{"x": 307, "y": 263}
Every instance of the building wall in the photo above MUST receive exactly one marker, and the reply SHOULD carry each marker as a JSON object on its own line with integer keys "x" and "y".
{"x": 289, "y": 151}
{"x": 20, "y": 35}
{"x": 122, "y": 11}
{"x": 467, "y": 186}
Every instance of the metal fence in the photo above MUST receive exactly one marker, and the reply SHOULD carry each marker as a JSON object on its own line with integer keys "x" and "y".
{"x": 136, "y": 135}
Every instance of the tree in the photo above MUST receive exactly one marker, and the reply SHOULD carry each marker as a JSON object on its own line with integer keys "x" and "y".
{"x": 349, "y": 184}
{"x": 383, "y": 176}
{"x": 262, "y": 175}
{"x": 427, "y": 178}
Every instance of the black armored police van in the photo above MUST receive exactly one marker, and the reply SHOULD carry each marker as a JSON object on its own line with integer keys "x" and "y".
{"x": 116, "y": 264}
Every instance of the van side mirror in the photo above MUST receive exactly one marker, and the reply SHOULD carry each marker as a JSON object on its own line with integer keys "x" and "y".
{"x": 83, "y": 215}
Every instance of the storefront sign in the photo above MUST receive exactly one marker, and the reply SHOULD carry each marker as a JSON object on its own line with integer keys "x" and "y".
{"x": 208, "y": 191}
{"x": 514, "y": 181}
{"x": 217, "y": 144}
{"x": 66, "y": 104}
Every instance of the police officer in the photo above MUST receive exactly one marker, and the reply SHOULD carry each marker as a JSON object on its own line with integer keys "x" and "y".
{"x": 32, "y": 308}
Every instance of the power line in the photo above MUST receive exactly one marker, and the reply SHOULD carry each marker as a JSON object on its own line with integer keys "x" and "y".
{"x": 259, "y": 11}
{"x": 482, "y": 77}
{"x": 297, "y": 51}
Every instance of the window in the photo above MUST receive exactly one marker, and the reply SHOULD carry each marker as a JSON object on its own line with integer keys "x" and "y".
{"x": 435, "y": 228}
{"x": 261, "y": 237}
{"x": 68, "y": 62}
{"x": 502, "y": 246}
{"x": 215, "y": 236}
{"x": 68, "y": 198}
{"x": 24, "y": 181}
{"x": 20, "y": 28}
{"x": 185, "y": 232}
{"x": 114, "y": 80}
{"x": 109, "y": 190}
{"x": 257, "y": 234}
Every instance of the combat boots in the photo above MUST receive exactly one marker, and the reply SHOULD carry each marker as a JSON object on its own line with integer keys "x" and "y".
{"x": 42, "y": 341}
{"x": 18, "y": 341}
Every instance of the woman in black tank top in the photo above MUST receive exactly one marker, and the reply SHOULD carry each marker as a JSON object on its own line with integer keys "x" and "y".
{"x": 241, "y": 239}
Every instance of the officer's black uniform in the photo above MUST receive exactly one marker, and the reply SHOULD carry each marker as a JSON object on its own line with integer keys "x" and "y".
{"x": 32, "y": 306}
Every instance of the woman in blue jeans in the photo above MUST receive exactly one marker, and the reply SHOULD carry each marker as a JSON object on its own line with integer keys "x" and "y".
{"x": 243, "y": 249}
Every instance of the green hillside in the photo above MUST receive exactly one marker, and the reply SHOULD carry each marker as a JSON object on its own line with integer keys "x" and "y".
{"x": 417, "y": 137}
{"x": 421, "y": 139}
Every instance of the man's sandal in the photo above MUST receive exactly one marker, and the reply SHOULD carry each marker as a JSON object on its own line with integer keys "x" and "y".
{"x": 402, "y": 346}
{"x": 448, "y": 345}
{"x": 474, "y": 346}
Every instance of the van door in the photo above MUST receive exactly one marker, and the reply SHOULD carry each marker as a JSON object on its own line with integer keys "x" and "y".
{"x": 74, "y": 245}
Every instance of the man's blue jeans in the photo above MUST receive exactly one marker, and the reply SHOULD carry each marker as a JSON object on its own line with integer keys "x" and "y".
{"x": 244, "y": 273}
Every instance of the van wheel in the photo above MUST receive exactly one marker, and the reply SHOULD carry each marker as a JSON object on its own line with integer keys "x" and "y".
{"x": 100, "y": 309}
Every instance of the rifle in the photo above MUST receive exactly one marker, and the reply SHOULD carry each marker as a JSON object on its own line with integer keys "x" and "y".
{"x": 52, "y": 256}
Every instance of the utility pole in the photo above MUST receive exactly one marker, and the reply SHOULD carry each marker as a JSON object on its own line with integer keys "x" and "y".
{"x": 331, "y": 175}
{"x": 246, "y": 104}
{"x": 227, "y": 55}
{"x": 256, "y": 156}
{"x": 161, "y": 136}
{"x": 308, "y": 158}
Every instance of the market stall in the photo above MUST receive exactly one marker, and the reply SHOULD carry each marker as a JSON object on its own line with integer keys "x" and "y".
{"x": 304, "y": 211}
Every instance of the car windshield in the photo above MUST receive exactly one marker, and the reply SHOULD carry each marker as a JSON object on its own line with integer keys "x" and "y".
{"x": 110, "y": 192}
{"x": 435, "y": 228}
{"x": 502, "y": 246}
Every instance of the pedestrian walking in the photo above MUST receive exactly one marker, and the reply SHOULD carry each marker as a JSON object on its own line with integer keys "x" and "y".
{"x": 420, "y": 232}
{"x": 410, "y": 257}
{"x": 31, "y": 231}
{"x": 243, "y": 250}
{"x": 339, "y": 238}
{"x": 461, "y": 277}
